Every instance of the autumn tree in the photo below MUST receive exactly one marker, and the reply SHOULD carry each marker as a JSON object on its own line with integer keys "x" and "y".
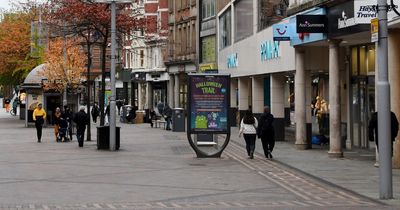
{"x": 16, "y": 60}
{"x": 63, "y": 70}
{"x": 91, "y": 22}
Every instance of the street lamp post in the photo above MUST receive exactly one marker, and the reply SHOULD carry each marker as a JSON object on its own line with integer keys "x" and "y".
{"x": 112, "y": 120}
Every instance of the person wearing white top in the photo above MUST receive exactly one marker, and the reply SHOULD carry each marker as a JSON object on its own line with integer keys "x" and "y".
{"x": 248, "y": 127}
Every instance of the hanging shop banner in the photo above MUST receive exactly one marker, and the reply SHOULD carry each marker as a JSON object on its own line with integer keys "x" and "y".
{"x": 306, "y": 37}
{"x": 282, "y": 32}
{"x": 209, "y": 103}
{"x": 354, "y": 16}
{"x": 311, "y": 24}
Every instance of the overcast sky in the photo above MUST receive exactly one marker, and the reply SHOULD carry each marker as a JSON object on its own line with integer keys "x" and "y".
{"x": 4, "y": 4}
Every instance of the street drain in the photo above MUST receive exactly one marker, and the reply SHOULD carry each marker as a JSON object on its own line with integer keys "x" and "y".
{"x": 197, "y": 164}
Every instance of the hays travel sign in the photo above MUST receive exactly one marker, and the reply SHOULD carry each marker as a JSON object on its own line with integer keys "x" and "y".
{"x": 270, "y": 50}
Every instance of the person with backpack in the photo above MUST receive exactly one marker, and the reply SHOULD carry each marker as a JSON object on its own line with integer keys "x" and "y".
{"x": 248, "y": 127}
{"x": 266, "y": 132}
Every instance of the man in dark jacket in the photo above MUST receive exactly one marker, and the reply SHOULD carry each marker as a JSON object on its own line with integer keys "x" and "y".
{"x": 68, "y": 115}
{"x": 167, "y": 112}
{"x": 265, "y": 131}
{"x": 81, "y": 119}
{"x": 373, "y": 128}
{"x": 95, "y": 112}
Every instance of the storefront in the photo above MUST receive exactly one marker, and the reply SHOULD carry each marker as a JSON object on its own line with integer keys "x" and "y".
{"x": 258, "y": 66}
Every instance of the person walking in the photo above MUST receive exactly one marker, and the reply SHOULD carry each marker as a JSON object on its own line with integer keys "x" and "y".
{"x": 57, "y": 118}
{"x": 14, "y": 106}
{"x": 248, "y": 127}
{"x": 81, "y": 119}
{"x": 67, "y": 115}
{"x": 373, "y": 130}
{"x": 266, "y": 132}
{"x": 39, "y": 116}
{"x": 95, "y": 112}
{"x": 167, "y": 112}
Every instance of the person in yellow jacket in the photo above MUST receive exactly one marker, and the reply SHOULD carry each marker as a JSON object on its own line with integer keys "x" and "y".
{"x": 39, "y": 115}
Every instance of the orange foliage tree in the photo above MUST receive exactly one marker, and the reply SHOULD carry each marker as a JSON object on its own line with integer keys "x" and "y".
{"x": 63, "y": 71}
{"x": 91, "y": 22}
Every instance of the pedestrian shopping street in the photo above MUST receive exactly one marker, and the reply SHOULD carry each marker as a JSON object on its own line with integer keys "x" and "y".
{"x": 157, "y": 169}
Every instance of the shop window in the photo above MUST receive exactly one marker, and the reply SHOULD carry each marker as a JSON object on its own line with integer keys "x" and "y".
{"x": 225, "y": 29}
{"x": 371, "y": 60}
{"x": 207, "y": 9}
{"x": 243, "y": 19}
{"x": 208, "y": 49}
{"x": 354, "y": 61}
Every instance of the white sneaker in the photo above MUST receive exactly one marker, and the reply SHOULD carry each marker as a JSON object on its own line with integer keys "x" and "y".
{"x": 376, "y": 164}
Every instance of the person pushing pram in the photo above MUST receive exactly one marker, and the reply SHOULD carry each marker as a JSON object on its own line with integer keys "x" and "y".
{"x": 63, "y": 131}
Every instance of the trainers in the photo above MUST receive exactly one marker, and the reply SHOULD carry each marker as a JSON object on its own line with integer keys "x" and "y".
{"x": 376, "y": 164}
{"x": 251, "y": 155}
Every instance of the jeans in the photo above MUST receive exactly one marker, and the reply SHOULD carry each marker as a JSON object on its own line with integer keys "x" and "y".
{"x": 250, "y": 143}
{"x": 168, "y": 119}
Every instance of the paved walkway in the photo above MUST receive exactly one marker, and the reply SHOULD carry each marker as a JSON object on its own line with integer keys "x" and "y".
{"x": 156, "y": 169}
{"x": 354, "y": 172}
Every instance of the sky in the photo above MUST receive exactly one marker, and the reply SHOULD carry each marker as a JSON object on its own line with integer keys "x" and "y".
{"x": 4, "y": 4}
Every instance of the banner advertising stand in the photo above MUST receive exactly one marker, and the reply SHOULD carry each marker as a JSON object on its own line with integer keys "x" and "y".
{"x": 208, "y": 114}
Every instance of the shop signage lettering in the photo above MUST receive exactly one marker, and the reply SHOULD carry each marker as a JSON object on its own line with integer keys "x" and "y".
{"x": 363, "y": 12}
{"x": 233, "y": 61}
{"x": 270, "y": 50}
{"x": 311, "y": 24}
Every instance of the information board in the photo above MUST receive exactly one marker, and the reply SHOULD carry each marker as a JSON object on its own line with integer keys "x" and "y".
{"x": 209, "y": 103}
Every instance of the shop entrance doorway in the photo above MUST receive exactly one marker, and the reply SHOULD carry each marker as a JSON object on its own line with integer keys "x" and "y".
{"x": 362, "y": 92}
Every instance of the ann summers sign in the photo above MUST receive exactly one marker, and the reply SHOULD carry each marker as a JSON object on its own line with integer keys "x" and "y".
{"x": 311, "y": 24}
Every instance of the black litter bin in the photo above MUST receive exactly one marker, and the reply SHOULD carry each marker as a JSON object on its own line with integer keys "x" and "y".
{"x": 103, "y": 137}
{"x": 178, "y": 120}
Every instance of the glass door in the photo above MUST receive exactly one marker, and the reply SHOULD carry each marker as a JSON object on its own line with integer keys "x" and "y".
{"x": 362, "y": 92}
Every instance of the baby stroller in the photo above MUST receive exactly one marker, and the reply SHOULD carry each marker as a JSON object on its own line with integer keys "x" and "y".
{"x": 63, "y": 131}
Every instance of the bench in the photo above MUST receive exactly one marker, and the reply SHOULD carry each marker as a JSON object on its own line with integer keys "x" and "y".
{"x": 158, "y": 123}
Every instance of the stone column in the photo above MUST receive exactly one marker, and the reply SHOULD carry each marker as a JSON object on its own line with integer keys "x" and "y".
{"x": 299, "y": 97}
{"x": 149, "y": 96}
{"x": 234, "y": 106}
{"x": 234, "y": 86}
{"x": 171, "y": 90}
{"x": 278, "y": 105}
{"x": 176, "y": 91}
{"x": 258, "y": 94}
{"x": 308, "y": 107}
{"x": 335, "y": 141}
{"x": 139, "y": 97}
{"x": 394, "y": 78}
{"x": 243, "y": 95}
